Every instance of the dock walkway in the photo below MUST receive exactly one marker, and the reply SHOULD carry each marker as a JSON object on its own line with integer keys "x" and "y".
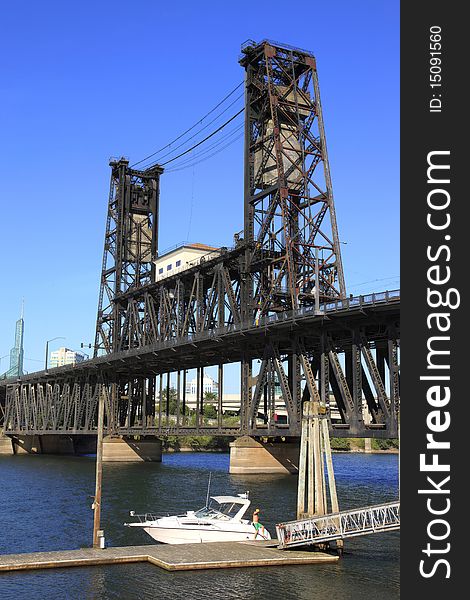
{"x": 339, "y": 526}
{"x": 181, "y": 557}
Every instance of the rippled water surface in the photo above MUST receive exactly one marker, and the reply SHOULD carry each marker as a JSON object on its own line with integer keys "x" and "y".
{"x": 45, "y": 505}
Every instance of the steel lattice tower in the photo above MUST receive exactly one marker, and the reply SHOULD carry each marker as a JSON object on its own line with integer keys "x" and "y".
{"x": 293, "y": 254}
{"x": 130, "y": 247}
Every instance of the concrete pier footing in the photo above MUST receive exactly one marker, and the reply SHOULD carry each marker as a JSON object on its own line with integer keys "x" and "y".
{"x": 43, "y": 444}
{"x": 130, "y": 450}
{"x": 6, "y": 446}
{"x": 114, "y": 449}
{"x": 248, "y": 455}
{"x": 26, "y": 444}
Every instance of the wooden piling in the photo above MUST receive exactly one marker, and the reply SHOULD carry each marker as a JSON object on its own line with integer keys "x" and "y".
{"x": 302, "y": 464}
{"x": 315, "y": 450}
{"x": 99, "y": 469}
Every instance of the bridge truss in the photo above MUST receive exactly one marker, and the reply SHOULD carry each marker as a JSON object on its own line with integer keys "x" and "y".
{"x": 352, "y": 362}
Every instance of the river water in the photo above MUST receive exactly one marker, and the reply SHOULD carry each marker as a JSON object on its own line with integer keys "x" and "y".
{"x": 45, "y": 505}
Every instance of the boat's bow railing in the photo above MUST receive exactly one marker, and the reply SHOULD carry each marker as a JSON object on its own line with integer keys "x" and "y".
{"x": 143, "y": 518}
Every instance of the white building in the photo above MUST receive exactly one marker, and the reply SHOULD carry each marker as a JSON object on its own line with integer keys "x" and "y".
{"x": 183, "y": 257}
{"x": 210, "y": 386}
{"x": 65, "y": 356}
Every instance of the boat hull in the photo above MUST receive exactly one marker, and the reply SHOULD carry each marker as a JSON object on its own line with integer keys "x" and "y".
{"x": 221, "y": 520}
{"x": 200, "y": 535}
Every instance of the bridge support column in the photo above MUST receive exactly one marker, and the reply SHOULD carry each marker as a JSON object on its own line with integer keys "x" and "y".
{"x": 6, "y": 446}
{"x": 249, "y": 456}
{"x": 27, "y": 444}
{"x": 43, "y": 444}
{"x": 130, "y": 450}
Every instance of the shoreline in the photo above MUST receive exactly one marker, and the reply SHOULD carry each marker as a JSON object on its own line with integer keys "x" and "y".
{"x": 187, "y": 449}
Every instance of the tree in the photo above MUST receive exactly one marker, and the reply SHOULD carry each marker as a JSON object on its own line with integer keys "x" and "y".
{"x": 173, "y": 402}
{"x": 210, "y": 411}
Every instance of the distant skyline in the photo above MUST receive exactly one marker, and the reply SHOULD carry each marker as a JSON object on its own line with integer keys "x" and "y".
{"x": 85, "y": 82}
{"x": 16, "y": 356}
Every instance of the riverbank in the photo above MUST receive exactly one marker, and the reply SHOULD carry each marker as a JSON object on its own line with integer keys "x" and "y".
{"x": 223, "y": 451}
{"x": 207, "y": 443}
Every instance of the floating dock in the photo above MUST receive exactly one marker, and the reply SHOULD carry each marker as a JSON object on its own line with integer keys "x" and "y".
{"x": 180, "y": 557}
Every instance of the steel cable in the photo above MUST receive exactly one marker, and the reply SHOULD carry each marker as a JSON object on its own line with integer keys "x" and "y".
{"x": 192, "y": 126}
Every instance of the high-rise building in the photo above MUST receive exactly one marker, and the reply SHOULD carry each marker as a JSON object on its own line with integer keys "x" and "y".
{"x": 17, "y": 352}
{"x": 65, "y": 356}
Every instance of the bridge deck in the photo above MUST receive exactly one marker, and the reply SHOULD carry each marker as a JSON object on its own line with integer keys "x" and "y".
{"x": 64, "y": 400}
{"x": 222, "y": 344}
{"x": 181, "y": 557}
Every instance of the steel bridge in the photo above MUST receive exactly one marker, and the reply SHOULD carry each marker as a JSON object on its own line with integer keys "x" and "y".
{"x": 64, "y": 399}
{"x": 275, "y": 302}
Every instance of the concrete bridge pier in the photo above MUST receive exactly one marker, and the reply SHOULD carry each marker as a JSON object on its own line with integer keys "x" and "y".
{"x": 6, "y": 446}
{"x": 115, "y": 449}
{"x": 26, "y": 444}
{"x": 42, "y": 444}
{"x": 121, "y": 449}
{"x": 250, "y": 456}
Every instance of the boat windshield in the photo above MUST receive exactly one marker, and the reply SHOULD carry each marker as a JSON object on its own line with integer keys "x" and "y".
{"x": 224, "y": 511}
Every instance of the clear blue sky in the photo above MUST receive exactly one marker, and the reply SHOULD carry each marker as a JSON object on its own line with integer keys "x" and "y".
{"x": 85, "y": 81}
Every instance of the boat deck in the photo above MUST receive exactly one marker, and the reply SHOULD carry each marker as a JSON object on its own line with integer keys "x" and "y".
{"x": 181, "y": 557}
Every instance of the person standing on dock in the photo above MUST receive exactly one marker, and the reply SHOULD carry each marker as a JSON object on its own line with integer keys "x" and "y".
{"x": 257, "y": 525}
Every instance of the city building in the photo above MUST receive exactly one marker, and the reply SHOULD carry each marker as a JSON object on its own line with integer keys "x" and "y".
{"x": 17, "y": 352}
{"x": 183, "y": 257}
{"x": 210, "y": 386}
{"x": 65, "y": 356}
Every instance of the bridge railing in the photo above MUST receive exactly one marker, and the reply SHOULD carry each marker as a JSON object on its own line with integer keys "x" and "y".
{"x": 335, "y": 305}
{"x": 335, "y": 526}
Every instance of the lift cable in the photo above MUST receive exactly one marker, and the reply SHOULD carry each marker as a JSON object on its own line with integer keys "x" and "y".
{"x": 205, "y": 139}
{"x": 207, "y": 149}
{"x": 183, "y": 143}
{"x": 190, "y": 128}
{"x": 187, "y": 166}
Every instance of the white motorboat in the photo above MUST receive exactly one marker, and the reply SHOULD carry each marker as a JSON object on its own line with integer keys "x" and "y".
{"x": 221, "y": 520}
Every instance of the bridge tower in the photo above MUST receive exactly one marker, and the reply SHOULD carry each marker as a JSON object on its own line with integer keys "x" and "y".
{"x": 130, "y": 247}
{"x": 293, "y": 253}
{"x": 292, "y": 256}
